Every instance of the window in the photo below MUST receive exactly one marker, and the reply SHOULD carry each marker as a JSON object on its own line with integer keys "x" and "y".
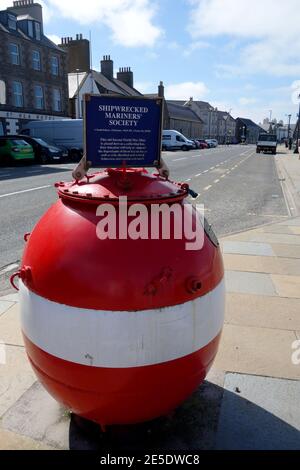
{"x": 30, "y": 29}
{"x": 14, "y": 53}
{"x": 179, "y": 138}
{"x": 37, "y": 31}
{"x": 56, "y": 100}
{"x": 54, "y": 65}
{"x": 12, "y": 22}
{"x": 39, "y": 97}
{"x": 36, "y": 60}
{"x": 17, "y": 94}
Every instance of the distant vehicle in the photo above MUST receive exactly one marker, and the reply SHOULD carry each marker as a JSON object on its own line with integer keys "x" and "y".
{"x": 197, "y": 143}
{"x": 212, "y": 142}
{"x": 14, "y": 150}
{"x": 44, "y": 152}
{"x": 174, "y": 140}
{"x": 203, "y": 144}
{"x": 66, "y": 134}
{"x": 267, "y": 143}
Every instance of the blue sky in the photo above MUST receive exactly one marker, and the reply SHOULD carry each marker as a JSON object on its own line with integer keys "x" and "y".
{"x": 237, "y": 54}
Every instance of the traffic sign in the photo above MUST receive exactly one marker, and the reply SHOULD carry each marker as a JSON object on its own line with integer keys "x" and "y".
{"x": 122, "y": 131}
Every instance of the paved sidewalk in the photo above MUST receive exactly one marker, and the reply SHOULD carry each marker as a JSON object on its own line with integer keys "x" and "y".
{"x": 250, "y": 399}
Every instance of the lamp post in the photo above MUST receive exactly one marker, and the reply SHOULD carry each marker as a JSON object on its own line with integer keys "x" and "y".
{"x": 225, "y": 133}
{"x": 78, "y": 100}
{"x": 243, "y": 136}
{"x": 298, "y": 128}
{"x": 289, "y": 125}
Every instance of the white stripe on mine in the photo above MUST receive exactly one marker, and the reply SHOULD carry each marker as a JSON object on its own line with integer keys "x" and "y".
{"x": 121, "y": 339}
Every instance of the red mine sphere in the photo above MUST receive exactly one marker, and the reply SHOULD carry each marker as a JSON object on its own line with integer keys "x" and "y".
{"x": 121, "y": 329}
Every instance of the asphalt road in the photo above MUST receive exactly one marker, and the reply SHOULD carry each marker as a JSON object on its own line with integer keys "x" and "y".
{"x": 238, "y": 188}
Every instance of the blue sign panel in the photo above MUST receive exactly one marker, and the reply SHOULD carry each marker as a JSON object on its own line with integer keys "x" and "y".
{"x": 122, "y": 131}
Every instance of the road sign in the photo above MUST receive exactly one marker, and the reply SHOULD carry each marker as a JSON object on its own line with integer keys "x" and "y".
{"x": 121, "y": 131}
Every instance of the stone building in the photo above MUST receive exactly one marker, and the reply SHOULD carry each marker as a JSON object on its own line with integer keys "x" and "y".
{"x": 215, "y": 123}
{"x": 247, "y": 130}
{"x": 33, "y": 70}
{"x": 179, "y": 118}
{"x": 82, "y": 79}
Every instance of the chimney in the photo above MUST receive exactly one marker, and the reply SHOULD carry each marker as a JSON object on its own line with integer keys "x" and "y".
{"x": 125, "y": 75}
{"x": 107, "y": 67}
{"x": 161, "y": 90}
{"x": 28, "y": 7}
{"x": 78, "y": 51}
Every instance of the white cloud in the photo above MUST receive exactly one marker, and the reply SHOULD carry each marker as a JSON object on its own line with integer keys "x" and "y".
{"x": 130, "y": 21}
{"x": 195, "y": 46}
{"x": 54, "y": 38}
{"x": 183, "y": 91}
{"x": 272, "y": 26}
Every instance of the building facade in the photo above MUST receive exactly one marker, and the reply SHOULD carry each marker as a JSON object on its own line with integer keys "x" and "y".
{"x": 33, "y": 70}
{"x": 216, "y": 124}
{"x": 247, "y": 131}
{"x": 82, "y": 79}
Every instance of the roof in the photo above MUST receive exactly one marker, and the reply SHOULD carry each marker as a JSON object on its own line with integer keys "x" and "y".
{"x": 74, "y": 80}
{"x": 20, "y": 33}
{"x": 182, "y": 112}
{"x": 249, "y": 123}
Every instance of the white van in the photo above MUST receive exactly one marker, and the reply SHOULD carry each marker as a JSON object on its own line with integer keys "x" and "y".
{"x": 173, "y": 140}
{"x": 66, "y": 134}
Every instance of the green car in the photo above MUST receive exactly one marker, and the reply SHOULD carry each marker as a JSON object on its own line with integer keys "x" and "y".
{"x": 13, "y": 150}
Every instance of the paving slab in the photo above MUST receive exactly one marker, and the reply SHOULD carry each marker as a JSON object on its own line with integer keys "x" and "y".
{"x": 262, "y": 264}
{"x": 13, "y": 441}
{"x": 38, "y": 416}
{"x": 287, "y": 286}
{"x": 259, "y": 351}
{"x": 292, "y": 222}
{"x": 10, "y": 331}
{"x": 4, "y": 306}
{"x": 295, "y": 230}
{"x": 247, "y": 248}
{"x": 265, "y": 312}
{"x": 193, "y": 425}
{"x": 286, "y": 251}
{"x": 279, "y": 229}
{"x": 249, "y": 283}
{"x": 11, "y": 297}
{"x": 259, "y": 413}
{"x": 275, "y": 238}
{"x": 16, "y": 376}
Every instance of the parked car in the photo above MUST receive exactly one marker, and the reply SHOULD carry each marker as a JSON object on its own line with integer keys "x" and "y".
{"x": 66, "y": 134}
{"x": 14, "y": 150}
{"x": 203, "y": 144}
{"x": 43, "y": 151}
{"x": 197, "y": 143}
{"x": 174, "y": 140}
{"x": 212, "y": 143}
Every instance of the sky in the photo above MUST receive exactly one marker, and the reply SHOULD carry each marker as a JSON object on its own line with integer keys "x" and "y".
{"x": 240, "y": 55}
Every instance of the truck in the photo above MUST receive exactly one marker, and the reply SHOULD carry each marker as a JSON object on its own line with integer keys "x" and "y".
{"x": 267, "y": 143}
{"x": 174, "y": 140}
{"x": 66, "y": 134}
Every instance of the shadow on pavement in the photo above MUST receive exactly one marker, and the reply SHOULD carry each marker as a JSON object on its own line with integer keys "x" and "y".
{"x": 29, "y": 171}
{"x": 201, "y": 423}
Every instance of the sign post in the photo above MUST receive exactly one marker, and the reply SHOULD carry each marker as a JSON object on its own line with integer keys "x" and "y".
{"x": 122, "y": 131}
